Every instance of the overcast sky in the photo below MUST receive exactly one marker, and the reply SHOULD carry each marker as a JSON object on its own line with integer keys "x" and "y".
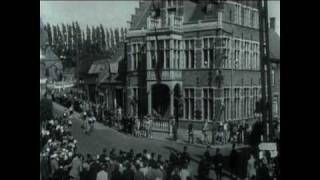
{"x": 109, "y": 13}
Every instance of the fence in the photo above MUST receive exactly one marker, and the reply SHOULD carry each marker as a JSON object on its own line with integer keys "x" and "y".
{"x": 161, "y": 125}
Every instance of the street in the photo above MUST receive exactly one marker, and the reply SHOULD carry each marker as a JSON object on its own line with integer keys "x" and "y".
{"x": 105, "y": 137}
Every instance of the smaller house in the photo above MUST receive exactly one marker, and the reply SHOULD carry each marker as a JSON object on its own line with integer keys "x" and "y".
{"x": 69, "y": 74}
{"x": 92, "y": 79}
{"x": 53, "y": 68}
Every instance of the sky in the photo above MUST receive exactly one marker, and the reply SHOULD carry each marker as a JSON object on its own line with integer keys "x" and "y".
{"x": 109, "y": 13}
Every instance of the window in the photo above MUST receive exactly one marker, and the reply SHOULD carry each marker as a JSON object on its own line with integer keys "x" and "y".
{"x": 167, "y": 54}
{"x": 161, "y": 51}
{"x": 135, "y": 52}
{"x": 275, "y": 106}
{"x": 208, "y": 52}
{"x": 189, "y": 94}
{"x": 273, "y": 78}
{"x": 190, "y": 54}
{"x": 252, "y": 19}
{"x": 227, "y": 103}
{"x": 237, "y": 103}
{"x": 208, "y": 99}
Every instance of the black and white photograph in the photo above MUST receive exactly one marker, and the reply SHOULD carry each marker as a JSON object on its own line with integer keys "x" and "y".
{"x": 160, "y": 90}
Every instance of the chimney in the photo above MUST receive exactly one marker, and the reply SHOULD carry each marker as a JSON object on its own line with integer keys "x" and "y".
{"x": 273, "y": 23}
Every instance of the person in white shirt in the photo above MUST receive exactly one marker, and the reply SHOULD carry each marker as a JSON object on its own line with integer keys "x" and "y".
{"x": 251, "y": 168}
{"x": 102, "y": 174}
{"x": 184, "y": 173}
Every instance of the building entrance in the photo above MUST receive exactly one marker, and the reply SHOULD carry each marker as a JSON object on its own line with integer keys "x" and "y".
{"x": 161, "y": 99}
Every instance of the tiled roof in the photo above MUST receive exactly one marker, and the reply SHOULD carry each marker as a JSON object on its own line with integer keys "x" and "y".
{"x": 98, "y": 67}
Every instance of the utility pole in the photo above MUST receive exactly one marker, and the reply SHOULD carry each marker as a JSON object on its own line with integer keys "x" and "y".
{"x": 262, "y": 8}
{"x": 219, "y": 77}
{"x": 267, "y": 59}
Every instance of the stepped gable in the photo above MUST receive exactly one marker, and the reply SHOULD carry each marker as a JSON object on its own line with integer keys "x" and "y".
{"x": 139, "y": 19}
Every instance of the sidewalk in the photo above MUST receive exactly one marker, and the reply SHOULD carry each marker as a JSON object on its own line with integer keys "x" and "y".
{"x": 183, "y": 139}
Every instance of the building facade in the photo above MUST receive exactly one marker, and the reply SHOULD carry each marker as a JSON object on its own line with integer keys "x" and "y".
{"x": 188, "y": 34}
{"x": 275, "y": 72}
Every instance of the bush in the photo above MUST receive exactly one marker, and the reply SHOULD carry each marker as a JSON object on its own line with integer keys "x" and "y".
{"x": 46, "y": 110}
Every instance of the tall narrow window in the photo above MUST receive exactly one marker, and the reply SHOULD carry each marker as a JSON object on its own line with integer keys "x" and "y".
{"x": 189, "y": 103}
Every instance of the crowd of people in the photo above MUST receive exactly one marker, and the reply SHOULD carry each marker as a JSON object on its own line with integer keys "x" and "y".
{"x": 60, "y": 160}
{"x": 58, "y": 157}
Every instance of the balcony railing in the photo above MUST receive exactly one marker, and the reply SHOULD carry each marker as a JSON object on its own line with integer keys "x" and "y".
{"x": 165, "y": 75}
{"x": 153, "y": 23}
{"x": 174, "y": 23}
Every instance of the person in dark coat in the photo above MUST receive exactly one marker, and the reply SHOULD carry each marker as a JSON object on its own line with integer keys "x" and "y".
{"x": 116, "y": 174}
{"x": 233, "y": 161}
{"x": 175, "y": 175}
{"x": 207, "y": 153}
{"x": 185, "y": 156}
{"x": 263, "y": 172}
{"x": 103, "y": 155}
{"x": 139, "y": 174}
{"x": 203, "y": 169}
{"x": 45, "y": 169}
{"x": 128, "y": 173}
{"x": 94, "y": 169}
{"x": 190, "y": 133}
{"x": 218, "y": 160}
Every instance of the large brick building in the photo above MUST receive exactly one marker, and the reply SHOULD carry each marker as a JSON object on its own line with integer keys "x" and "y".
{"x": 187, "y": 36}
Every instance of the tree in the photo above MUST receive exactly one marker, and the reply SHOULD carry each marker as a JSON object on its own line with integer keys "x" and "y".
{"x": 55, "y": 36}
{"x": 48, "y": 29}
{"x": 93, "y": 40}
{"x": 117, "y": 36}
{"x": 64, "y": 33}
{"x": 88, "y": 40}
{"x": 125, "y": 31}
{"x": 107, "y": 39}
{"x": 112, "y": 41}
{"x": 122, "y": 34}
{"x": 103, "y": 38}
{"x": 60, "y": 44}
{"x": 78, "y": 37}
{"x": 98, "y": 40}
{"x": 69, "y": 41}
{"x": 83, "y": 40}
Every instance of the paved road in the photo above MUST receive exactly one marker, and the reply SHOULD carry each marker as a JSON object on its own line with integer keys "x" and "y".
{"x": 106, "y": 137}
